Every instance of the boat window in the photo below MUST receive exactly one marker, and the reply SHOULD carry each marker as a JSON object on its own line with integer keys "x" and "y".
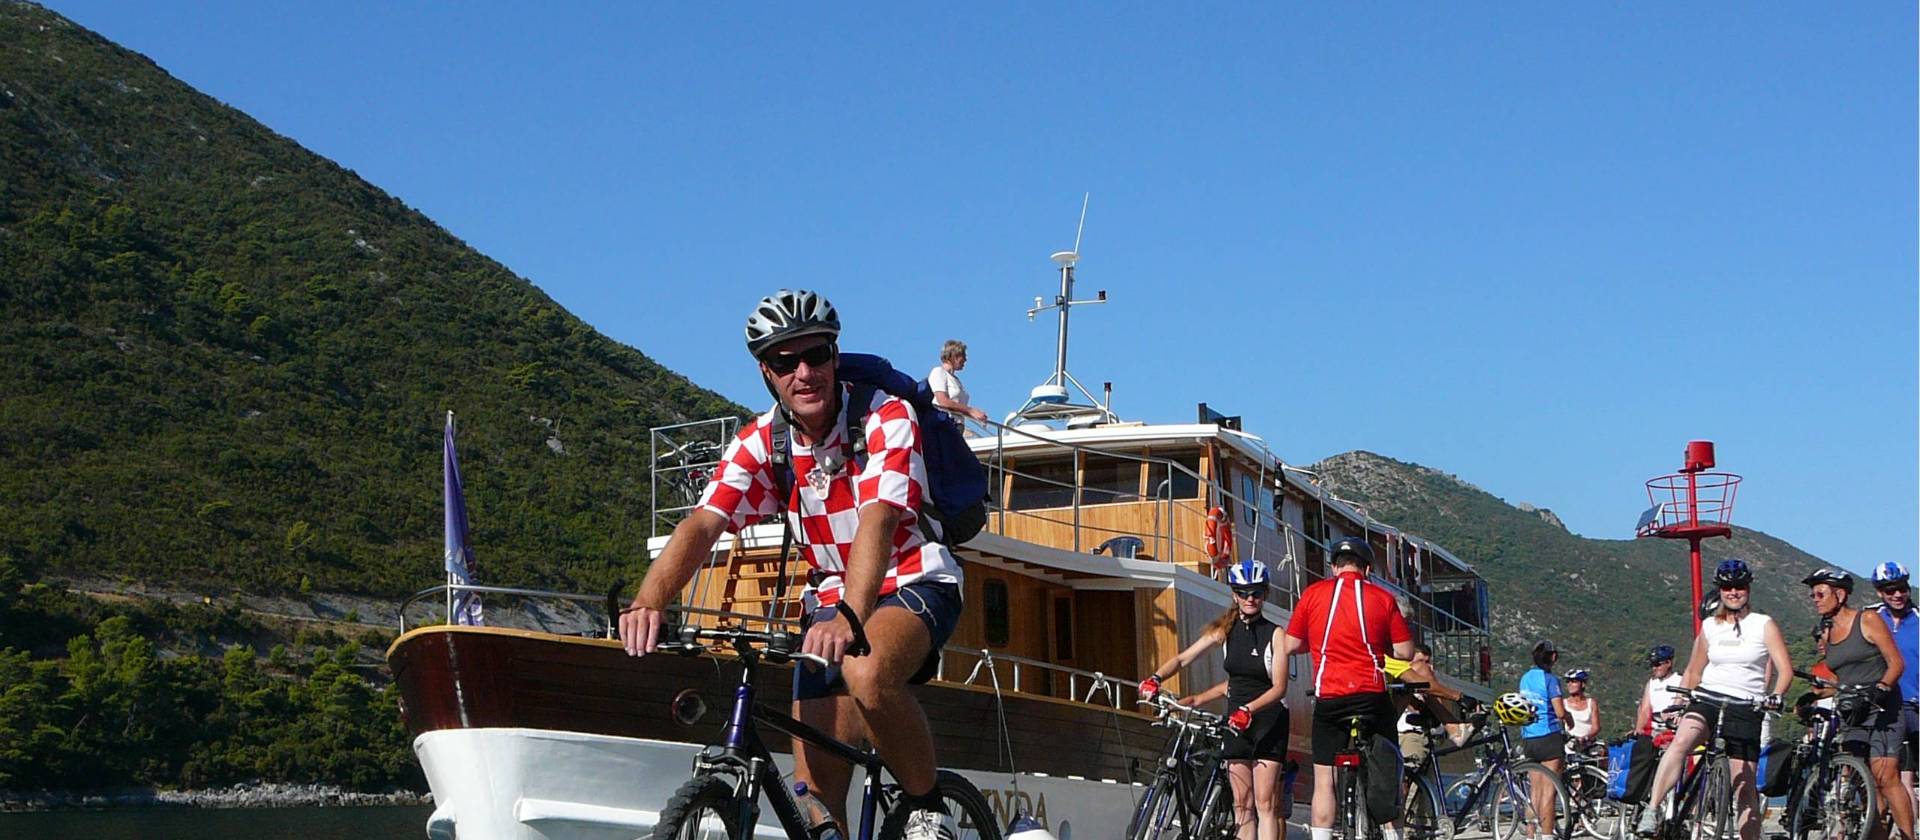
{"x": 999, "y": 613}
{"x": 1109, "y": 479}
{"x": 1063, "y": 628}
{"x": 1166, "y": 482}
{"x": 1041, "y": 484}
{"x": 1250, "y": 492}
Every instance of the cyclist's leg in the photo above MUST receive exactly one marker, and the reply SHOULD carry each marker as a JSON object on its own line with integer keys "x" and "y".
{"x": 1545, "y": 796}
{"x": 820, "y": 701}
{"x": 906, "y": 630}
{"x": 1240, "y": 777}
{"x": 1746, "y": 797}
{"x": 1321, "y": 818}
{"x": 1266, "y": 800}
{"x": 1329, "y": 736}
{"x": 1673, "y": 762}
{"x": 1886, "y": 773}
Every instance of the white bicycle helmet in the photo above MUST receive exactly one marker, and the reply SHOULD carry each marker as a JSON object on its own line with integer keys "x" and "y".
{"x": 1247, "y": 573}
{"x": 788, "y": 314}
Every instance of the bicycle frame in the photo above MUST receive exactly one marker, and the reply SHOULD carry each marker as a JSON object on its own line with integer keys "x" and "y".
{"x": 1178, "y": 757}
{"x": 1498, "y": 762}
{"x": 745, "y": 756}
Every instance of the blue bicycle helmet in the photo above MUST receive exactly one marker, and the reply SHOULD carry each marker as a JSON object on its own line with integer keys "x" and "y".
{"x": 1733, "y": 571}
{"x": 1579, "y": 674}
{"x": 1889, "y": 572}
{"x": 1247, "y": 573}
{"x": 1658, "y": 654}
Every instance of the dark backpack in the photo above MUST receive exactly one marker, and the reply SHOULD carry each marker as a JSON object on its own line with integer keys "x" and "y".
{"x": 956, "y": 481}
{"x": 1776, "y": 768}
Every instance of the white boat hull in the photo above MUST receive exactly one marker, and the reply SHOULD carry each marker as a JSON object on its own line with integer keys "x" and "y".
{"x": 538, "y": 784}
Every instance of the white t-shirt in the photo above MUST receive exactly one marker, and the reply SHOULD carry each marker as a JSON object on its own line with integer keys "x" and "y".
{"x": 943, "y": 381}
{"x": 1659, "y": 694}
{"x": 1582, "y": 720}
{"x": 1736, "y": 656}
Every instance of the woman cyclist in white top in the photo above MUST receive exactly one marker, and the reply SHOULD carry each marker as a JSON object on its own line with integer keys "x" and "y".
{"x": 1730, "y": 659}
{"x": 1583, "y": 709}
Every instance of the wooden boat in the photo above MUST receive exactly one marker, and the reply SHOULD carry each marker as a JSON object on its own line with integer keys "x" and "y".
{"x": 1093, "y": 569}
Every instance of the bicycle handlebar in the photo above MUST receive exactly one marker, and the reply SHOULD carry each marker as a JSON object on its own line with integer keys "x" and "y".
{"x": 1818, "y": 682}
{"x": 778, "y": 644}
{"x": 1167, "y": 705}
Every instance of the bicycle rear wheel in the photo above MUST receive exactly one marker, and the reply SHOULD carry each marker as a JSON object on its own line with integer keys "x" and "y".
{"x": 969, "y": 817}
{"x": 1522, "y": 816}
{"x": 1839, "y": 804}
{"x": 1598, "y": 816}
{"x": 1481, "y": 818}
{"x": 702, "y": 809}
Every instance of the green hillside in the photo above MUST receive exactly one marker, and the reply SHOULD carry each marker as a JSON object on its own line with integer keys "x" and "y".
{"x": 228, "y": 359}
{"x": 1604, "y": 602}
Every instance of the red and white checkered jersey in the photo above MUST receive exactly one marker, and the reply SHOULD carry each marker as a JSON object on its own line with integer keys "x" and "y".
{"x": 827, "y": 496}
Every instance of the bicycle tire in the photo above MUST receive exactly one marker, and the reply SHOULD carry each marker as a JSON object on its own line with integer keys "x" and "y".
{"x": 969, "y": 817}
{"x": 1422, "y": 817}
{"x": 690, "y": 814}
{"x": 1150, "y": 820}
{"x": 1481, "y": 818}
{"x": 1846, "y": 792}
{"x": 1216, "y": 820}
{"x": 1598, "y": 816}
{"x": 1522, "y": 776}
{"x": 1712, "y": 806}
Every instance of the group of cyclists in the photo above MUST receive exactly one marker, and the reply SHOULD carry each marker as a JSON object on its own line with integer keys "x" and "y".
{"x": 884, "y": 595}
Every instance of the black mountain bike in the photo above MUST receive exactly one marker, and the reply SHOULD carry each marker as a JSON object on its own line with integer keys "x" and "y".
{"x": 1189, "y": 797}
{"x": 1496, "y": 797}
{"x": 1834, "y": 796}
{"x": 1586, "y": 777}
{"x": 722, "y": 800}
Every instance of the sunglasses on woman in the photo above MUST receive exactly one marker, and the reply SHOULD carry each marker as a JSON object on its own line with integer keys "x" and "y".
{"x": 1251, "y": 593}
{"x": 785, "y": 363}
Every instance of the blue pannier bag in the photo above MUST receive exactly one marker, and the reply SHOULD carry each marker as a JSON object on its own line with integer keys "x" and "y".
{"x": 955, "y": 479}
{"x": 1775, "y": 773}
{"x": 1630, "y": 765}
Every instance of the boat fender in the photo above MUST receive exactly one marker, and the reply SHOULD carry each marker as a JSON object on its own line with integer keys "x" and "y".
{"x": 1025, "y": 827}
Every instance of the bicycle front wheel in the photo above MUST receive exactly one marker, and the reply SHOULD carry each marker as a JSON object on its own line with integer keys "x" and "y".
{"x": 1712, "y": 811}
{"x": 1839, "y": 804}
{"x": 702, "y": 809}
{"x": 1422, "y": 818}
{"x": 968, "y": 816}
{"x": 1481, "y": 816}
{"x": 1153, "y": 814}
{"x": 1598, "y": 816}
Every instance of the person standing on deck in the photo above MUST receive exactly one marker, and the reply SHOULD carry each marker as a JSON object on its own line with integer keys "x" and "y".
{"x": 1346, "y": 627}
{"x": 944, "y": 381}
{"x": 889, "y": 586}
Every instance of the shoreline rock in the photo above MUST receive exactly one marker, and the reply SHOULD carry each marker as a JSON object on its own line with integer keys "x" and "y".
{"x": 238, "y": 796}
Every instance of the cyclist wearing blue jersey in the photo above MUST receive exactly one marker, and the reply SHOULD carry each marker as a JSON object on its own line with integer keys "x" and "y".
{"x": 1896, "y": 609}
{"x": 1546, "y": 737}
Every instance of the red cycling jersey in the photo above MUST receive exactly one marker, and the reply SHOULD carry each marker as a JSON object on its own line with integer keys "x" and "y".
{"x": 1329, "y": 619}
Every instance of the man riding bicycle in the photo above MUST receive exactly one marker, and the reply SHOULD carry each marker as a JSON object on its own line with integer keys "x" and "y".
{"x": 880, "y": 578}
{"x": 1347, "y": 626}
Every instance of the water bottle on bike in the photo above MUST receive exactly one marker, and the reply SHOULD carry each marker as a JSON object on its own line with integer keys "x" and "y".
{"x": 813, "y": 811}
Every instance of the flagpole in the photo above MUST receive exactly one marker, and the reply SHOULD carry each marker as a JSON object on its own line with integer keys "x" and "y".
{"x": 446, "y": 501}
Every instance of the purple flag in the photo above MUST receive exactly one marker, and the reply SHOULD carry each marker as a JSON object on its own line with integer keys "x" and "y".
{"x": 463, "y": 606}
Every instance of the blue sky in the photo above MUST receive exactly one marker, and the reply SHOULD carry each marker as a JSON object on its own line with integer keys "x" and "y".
{"x": 1539, "y": 248}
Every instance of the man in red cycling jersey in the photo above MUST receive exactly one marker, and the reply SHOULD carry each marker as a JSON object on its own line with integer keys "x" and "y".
{"x": 879, "y": 574}
{"x": 1346, "y": 626}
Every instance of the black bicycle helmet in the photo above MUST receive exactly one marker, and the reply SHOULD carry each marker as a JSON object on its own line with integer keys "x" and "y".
{"x": 1733, "y": 571}
{"x": 1356, "y": 546}
{"x": 786, "y": 315}
{"x": 1831, "y": 577}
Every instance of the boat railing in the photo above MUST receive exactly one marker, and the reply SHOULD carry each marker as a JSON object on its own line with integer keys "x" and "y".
{"x": 1291, "y": 576}
{"x": 591, "y": 622}
{"x": 988, "y": 666}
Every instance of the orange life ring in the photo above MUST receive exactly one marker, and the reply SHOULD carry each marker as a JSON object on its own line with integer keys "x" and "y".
{"x": 1219, "y": 537}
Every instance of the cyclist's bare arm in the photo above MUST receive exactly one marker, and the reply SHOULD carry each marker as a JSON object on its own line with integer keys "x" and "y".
{"x": 1875, "y": 630}
{"x": 1782, "y": 660}
{"x": 1216, "y": 692}
{"x": 1277, "y": 672}
{"x": 866, "y": 569}
{"x": 1174, "y": 663}
{"x": 691, "y": 544}
{"x": 1426, "y": 673}
{"x": 1403, "y": 650}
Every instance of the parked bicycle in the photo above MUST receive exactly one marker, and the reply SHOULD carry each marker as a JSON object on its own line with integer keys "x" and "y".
{"x": 722, "y": 800}
{"x": 1189, "y": 797}
{"x": 1496, "y": 797}
{"x": 1701, "y": 806}
{"x": 1833, "y": 796}
{"x": 1586, "y": 777}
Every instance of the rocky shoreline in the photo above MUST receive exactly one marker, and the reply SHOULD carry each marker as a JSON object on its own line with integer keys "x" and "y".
{"x": 238, "y": 796}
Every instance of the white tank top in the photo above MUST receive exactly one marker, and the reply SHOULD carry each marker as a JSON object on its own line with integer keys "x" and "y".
{"x": 1660, "y": 694}
{"x": 1736, "y": 656}
{"x": 1582, "y": 720}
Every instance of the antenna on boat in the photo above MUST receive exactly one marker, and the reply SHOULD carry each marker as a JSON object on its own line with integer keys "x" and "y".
{"x": 1052, "y": 400}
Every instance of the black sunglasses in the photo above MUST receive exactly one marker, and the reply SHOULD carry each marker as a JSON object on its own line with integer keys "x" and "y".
{"x": 1899, "y": 587}
{"x": 1251, "y": 592}
{"x": 785, "y": 363}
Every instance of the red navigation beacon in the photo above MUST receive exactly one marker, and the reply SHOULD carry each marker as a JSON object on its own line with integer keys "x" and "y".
{"x": 1692, "y": 504}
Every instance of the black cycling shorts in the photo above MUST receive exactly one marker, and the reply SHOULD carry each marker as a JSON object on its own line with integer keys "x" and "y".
{"x": 1742, "y": 728}
{"x": 1545, "y": 747}
{"x": 1330, "y": 722}
{"x": 1265, "y": 740}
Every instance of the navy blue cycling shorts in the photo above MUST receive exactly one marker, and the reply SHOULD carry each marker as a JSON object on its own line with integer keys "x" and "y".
{"x": 936, "y": 604}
